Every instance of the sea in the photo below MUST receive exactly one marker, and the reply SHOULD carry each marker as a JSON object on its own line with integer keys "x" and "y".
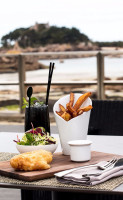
{"x": 69, "y": 69}
{"x": 113, "y": 66}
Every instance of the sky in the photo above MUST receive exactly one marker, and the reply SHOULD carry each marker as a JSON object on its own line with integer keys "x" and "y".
{"x": 100, "y": 20}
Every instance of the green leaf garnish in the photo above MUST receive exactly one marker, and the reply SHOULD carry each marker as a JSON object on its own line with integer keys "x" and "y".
{"x": 33, "y": 99}
{"x": 32, "y": 102}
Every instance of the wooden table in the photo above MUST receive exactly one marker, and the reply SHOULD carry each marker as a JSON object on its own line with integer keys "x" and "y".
{"x": 108, "y": 144}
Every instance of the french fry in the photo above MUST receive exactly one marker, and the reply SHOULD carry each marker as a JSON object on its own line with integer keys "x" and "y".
{"x": 66, "y": 116}
{"x": 73, "y": 111}
{"x": 85, "y": 109}
{"x": 63, "y": 115}
{"x": 62, "y": 108}
{"x": 79, "y": 112}
{"x": 71, "y": 99}
{"x": 74, "y": 114}
{"x": 67, "y": 106}
{"x": 70, "y": 109}
{"x": 81, "y": 99}
{"x": 59, "y": 113}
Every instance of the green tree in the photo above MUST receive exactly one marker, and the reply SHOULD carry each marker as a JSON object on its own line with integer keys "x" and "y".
{"x": 12, "y": 36}
{"x": 42, "y": 36}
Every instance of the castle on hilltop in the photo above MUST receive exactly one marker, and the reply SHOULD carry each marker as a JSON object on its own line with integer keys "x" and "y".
{"x": 37, "y": 26}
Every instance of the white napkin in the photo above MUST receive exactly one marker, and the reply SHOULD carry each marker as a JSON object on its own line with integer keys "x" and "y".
{"x": 83, "y": 177}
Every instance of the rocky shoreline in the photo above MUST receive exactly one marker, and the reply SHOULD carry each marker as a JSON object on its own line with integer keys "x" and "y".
{"x": 9, "y": 64}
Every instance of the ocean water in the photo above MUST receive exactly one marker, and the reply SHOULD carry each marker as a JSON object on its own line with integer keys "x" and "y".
{"x": 78, "y": 65}
{"x": 113, "y": 66}
{"x": 70, "y": 69}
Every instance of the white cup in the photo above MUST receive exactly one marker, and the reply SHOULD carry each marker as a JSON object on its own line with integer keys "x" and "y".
{"x": 74, "y": 129}
{"x": 80, "y": 150}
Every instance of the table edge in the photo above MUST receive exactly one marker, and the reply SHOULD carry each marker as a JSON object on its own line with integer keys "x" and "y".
{"x": 60, "y": 189}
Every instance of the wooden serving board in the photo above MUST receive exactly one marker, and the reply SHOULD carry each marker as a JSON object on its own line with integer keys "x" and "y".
{"x": 59, "y": 163}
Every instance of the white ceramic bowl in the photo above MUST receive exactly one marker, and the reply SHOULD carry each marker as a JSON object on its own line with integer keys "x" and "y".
{"x": 48, "y": 147}
{"x": 80, "y": 150}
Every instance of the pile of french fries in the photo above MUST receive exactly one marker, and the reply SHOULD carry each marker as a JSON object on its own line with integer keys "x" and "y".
{"x": 73, "y": 110}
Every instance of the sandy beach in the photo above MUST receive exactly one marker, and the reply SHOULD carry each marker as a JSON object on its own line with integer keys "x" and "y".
{"x": 12, "y": 92}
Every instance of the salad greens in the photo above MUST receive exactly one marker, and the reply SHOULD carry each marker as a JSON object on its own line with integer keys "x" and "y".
{"x": 36, "y": 136}
{"x": 33, "y": 101}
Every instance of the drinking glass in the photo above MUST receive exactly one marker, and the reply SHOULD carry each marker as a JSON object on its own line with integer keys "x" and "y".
{"x": 38, "y": 115}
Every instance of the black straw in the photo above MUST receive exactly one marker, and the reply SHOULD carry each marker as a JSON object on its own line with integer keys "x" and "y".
{"x": 51, "y": 67}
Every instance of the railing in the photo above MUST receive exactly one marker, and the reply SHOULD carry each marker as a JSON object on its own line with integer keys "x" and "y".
{"x": 100, "y": 71}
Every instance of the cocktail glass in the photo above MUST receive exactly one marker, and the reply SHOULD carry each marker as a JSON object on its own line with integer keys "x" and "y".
{"x": 38, "y": 116}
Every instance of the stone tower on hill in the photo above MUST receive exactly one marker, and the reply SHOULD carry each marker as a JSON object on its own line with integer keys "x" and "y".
{"x": 37, "y": 26}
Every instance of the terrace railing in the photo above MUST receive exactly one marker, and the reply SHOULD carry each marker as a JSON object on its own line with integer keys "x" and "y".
{"x": 101, "y": 82}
